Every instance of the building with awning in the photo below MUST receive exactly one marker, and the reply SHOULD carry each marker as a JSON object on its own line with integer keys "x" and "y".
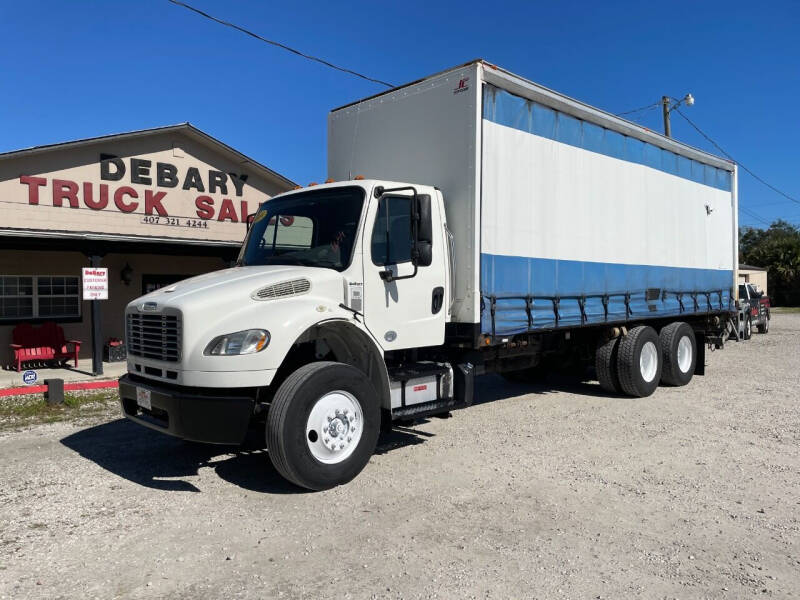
{"x": 152, "y": 206}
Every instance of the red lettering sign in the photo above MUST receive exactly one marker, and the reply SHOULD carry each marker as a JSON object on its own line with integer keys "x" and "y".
{"x": 119, "y": 199}
{"x": 205, "y": 207}
{"x": 88, "y": 196}
{"x": 226, "y": 211}
{"x": 65, "y": 190}
{"x": 33, "y": 183}
{"x": 153, "y": 200}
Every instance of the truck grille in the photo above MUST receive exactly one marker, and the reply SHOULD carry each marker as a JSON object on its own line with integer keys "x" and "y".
{"x": 155, "y": 336}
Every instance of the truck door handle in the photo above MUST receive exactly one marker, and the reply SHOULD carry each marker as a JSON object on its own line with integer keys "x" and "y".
{"x": 437, "y": 300}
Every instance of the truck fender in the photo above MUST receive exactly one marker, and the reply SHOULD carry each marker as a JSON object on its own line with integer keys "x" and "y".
{"x": 348, "y": 344}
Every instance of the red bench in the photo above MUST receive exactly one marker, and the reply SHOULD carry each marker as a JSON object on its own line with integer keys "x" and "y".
{"x": 45, "y": 343}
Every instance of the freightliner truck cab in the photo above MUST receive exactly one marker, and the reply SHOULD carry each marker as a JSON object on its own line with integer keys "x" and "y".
{"x": 330, "y": 282}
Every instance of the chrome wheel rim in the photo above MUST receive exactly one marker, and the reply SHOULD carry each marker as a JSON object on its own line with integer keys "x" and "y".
{"x": 648, "y": 361}
{"x": 747, "y": 327}
{"x": 684, "y": 354}
{"x": 334, "y": 427}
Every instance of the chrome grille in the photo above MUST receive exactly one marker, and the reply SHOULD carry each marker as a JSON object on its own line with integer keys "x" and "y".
{"x": 156, "y": 336}
{"x": 295, "y": 287}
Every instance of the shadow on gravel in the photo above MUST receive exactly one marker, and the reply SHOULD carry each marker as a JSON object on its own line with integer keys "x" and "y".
{"x": 159, "y": 461}
{"x": 489, "y": 388}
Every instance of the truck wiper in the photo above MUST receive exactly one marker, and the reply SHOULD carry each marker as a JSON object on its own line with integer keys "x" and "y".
{"x": 356, "y": 314}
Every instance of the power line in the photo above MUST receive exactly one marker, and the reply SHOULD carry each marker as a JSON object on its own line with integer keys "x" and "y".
{"x": 649, "y": 106}
{"x": 280, "y": 45}
{"x": 753, "y": 215}
{"x": 718, "y": 147}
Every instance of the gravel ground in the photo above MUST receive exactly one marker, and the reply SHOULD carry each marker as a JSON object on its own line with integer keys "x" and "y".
{"x": 537, "y": 492}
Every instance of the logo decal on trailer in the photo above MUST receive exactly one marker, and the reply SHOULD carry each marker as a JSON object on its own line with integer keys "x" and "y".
{"x": 463, "y": 85}
{"x": 420, "y": 388}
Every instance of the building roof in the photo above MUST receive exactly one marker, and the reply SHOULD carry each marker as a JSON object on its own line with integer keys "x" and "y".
{"x": 751, "y": 268}
{"x": 186, "y": 128}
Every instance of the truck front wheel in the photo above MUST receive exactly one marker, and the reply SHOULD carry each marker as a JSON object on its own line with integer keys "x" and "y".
{"x": 639, "y": 362}
{"x": 323, "y": 425}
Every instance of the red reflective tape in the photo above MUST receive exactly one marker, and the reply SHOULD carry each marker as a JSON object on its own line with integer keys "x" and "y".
{"x": 19, "y": 391}
{"x": 68, "y": 387}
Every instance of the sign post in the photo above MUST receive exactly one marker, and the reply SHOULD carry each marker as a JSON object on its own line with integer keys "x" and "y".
{"x": 95, "y": 288}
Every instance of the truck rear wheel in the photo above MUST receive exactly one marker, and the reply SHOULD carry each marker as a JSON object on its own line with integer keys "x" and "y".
{"x": 605, "y": 362}
{"x": 764, "y": 328}
{"x": 639, "y": 362}
{"x": 323, "y": 425}
{"x": 678, "y": 353}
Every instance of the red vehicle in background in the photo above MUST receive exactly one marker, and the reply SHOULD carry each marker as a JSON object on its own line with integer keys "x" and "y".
{"x": 753, "y": 307}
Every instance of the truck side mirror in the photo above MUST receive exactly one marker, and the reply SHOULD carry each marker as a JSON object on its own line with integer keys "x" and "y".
{"x": 424, "y": 254}
{"x": 424, "y": 241}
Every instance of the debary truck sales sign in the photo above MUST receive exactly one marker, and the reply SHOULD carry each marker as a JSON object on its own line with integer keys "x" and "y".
{"x": 171, "y": 193}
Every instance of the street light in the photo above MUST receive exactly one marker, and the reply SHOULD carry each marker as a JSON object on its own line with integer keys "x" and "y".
{"x": 668, "y": 105}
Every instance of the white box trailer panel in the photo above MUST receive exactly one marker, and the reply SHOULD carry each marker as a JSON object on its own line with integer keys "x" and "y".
{"x": 550, "y": 200}
{"x": 581, "y": 224}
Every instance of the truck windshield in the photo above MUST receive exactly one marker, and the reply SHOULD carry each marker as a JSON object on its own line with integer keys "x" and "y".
{"x": 315, "y": 228}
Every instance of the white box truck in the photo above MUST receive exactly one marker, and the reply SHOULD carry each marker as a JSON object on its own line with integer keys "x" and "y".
{"x": 501, "y": 227}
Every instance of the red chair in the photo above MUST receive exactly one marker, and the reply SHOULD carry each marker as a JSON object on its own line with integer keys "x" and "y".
{"x": 47, "y": 343}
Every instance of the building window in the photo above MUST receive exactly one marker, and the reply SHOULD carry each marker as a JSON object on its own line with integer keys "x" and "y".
{"x": 24, "y": 297}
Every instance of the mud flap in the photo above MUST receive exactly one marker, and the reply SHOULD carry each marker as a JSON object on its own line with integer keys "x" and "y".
{"x": 700, "y": 344}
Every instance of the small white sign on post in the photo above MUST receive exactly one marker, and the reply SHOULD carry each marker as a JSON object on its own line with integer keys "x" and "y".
{"x": 95, "y": 283}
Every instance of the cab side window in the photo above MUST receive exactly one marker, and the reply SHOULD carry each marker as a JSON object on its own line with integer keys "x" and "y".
{"x": 391, "y": 235}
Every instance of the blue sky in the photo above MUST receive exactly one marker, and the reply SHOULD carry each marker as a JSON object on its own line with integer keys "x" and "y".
{"x": 72, "y": 70}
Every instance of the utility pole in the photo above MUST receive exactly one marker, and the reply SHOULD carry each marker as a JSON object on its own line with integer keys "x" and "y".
{"x": 665, "y": 100}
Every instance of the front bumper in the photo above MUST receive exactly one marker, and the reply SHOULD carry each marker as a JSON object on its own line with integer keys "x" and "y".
{"x": 191, "y": 414}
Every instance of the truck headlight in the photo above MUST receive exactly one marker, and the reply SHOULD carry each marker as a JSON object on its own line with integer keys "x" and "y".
{"x": 249, "y": 341}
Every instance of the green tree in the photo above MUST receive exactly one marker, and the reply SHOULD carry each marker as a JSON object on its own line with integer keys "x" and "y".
{"x": 778, "y": 250}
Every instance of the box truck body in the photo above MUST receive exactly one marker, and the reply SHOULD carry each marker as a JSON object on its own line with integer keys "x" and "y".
{"x": 562, "y": 215}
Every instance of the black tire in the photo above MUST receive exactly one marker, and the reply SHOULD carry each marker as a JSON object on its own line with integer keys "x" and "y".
{"x": 764, "y": 328}
{"x": 629, "y": 355}
{"x": 288, "y": 415}
{"x": 605, "y": 362}
{"x": 747, "y": 332}
{"x": 670, "y": 341}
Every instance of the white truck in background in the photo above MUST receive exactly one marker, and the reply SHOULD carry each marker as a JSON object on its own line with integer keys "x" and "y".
{"x": 503, "y": 228}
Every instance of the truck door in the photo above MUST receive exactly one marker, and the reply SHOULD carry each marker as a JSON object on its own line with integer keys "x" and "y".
{"x": 408, "y": 308}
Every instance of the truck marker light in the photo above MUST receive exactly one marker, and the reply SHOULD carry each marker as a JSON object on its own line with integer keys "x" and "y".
{"x": 359, "y": 178}
{"x": 329, "y": 180}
